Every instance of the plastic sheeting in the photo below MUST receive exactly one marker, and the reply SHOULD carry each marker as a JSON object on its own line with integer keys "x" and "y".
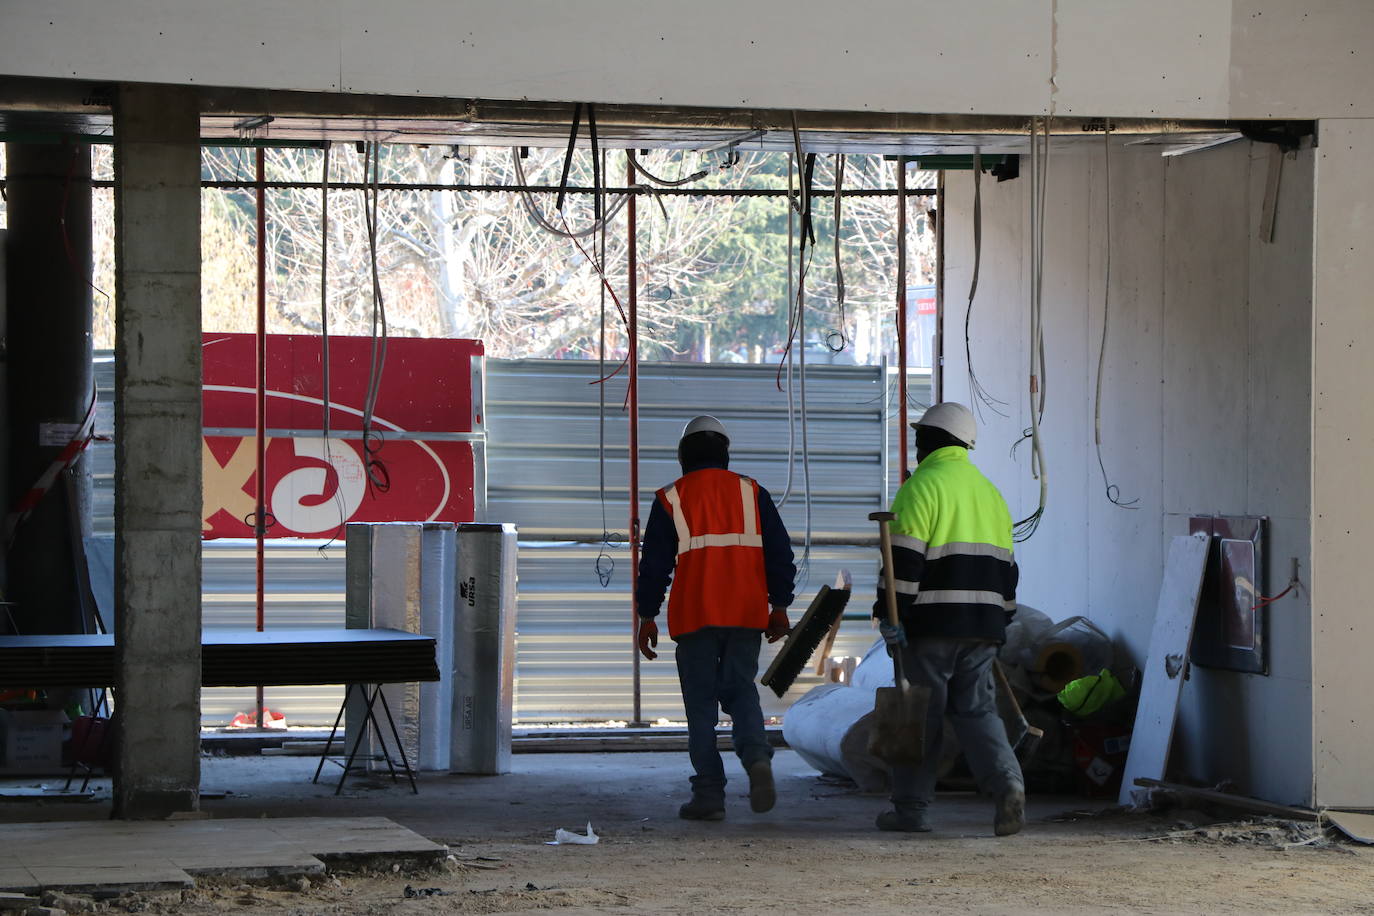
{"x": 829, "y": 726}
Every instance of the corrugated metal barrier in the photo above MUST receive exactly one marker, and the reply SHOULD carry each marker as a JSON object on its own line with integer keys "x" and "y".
{"x": 574, "y": 653}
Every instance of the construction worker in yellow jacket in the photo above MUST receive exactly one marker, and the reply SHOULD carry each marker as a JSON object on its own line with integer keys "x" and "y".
{"x": 956, "y": 590}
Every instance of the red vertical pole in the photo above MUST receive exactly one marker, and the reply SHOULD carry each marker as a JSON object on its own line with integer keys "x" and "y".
{"x": 260, "y": 512}
{"x": 901, "y": 306}
{"x": 633, "y": 284}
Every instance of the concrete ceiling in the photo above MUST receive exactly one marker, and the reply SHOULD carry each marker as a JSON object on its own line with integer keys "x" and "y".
{"x": 35, "y": 107}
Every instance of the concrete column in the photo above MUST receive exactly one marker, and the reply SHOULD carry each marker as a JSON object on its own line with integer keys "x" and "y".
{"x": 1342, "y": 446}
{"x": 158, "y": 450}
{"x": 48, "y": 345}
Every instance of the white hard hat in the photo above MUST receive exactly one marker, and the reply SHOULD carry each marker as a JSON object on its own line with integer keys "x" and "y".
{"x": 954, "y": 418}
{"x": 705, "y": 424}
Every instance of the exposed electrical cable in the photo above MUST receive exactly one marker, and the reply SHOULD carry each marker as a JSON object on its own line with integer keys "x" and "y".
{"x": 665, "y": 182}
{"x": 596, "y": 166}
{"x": 1293, "y": 582}
{"x": 324, "y": 345}
{"x": 836, "y": 340}
{"x": 605, "y": 563}
{"x": 1026, "y": 527}
{"x": 532, "y": 208}
{"x": 791, "y": 410}
{"x": 978, "y": 394}
{"x": 1113, "y": 491}
{"x": 324, "y": 289}
{"x": 568, "y": 157}
{"x": 797, "y": 330}
{"x": 806, "y": 249}
{"x": 378, "y": 478}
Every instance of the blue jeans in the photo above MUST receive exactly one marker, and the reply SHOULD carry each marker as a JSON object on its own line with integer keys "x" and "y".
{"x": 959, "y": 675}
{"x": 716, "y": 667}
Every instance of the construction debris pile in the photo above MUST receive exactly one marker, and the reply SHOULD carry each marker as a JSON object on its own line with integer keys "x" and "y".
{"x": 1062, "y": 676}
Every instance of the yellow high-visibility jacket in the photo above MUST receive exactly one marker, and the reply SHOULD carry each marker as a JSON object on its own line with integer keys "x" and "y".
{"x": 952, "y": 553}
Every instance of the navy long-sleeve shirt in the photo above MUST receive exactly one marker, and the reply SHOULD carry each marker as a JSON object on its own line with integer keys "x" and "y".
{"x": 658, "y": 556}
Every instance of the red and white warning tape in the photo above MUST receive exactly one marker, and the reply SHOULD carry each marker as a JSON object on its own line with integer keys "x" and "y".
{"x": 70, "y": 452}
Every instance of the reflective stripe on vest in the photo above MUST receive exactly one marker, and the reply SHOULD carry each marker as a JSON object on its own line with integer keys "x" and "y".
{"x": 750, "y": 537}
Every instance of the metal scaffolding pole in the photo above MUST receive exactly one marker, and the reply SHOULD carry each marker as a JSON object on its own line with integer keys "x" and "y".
{"x": 260, "y": 509}
{"x": 901, "y": 310}
{"x": 632, "y": 282}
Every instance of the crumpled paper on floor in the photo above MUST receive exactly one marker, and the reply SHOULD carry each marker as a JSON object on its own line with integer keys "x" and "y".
{"x": 563, "y": 837}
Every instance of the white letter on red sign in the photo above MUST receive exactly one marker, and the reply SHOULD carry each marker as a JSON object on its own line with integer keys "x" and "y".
{"x": 320, "y": 517}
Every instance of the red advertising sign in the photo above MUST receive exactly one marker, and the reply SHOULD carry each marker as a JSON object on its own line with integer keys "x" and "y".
{"x": 425, "y": 423}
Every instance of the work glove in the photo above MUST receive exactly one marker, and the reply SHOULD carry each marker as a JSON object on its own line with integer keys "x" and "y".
{"x": 648, "y": 636}
{"x": 894, "y": 636}
{"x": 778, "y": 627}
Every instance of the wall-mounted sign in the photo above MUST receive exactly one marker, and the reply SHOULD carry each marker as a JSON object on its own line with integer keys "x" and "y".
{"x": 420, "y": 461}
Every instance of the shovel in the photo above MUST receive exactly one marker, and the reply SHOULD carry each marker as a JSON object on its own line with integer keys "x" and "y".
{"x": 898, "y": 734}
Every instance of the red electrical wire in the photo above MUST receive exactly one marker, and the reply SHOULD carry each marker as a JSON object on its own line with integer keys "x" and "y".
{"x": 616, "y": 299}
{"x": 1265, "y": 602}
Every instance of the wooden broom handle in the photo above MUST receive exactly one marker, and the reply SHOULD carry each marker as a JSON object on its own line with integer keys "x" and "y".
{"x": 889, "y": 582}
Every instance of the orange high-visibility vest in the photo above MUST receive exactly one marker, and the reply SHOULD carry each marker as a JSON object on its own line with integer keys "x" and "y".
{"x": 720, "y": 580}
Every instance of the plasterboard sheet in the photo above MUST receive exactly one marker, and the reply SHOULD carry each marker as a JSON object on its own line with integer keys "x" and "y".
{"x": 1342, "y": 421}
{"x": 1169, "y": 643}
{"x": 1359, "y": 827}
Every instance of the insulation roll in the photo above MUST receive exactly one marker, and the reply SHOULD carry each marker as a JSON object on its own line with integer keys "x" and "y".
{"x": 828, "y": 728}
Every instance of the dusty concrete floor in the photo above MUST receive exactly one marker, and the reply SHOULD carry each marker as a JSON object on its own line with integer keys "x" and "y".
{"x": 816, "y": 852}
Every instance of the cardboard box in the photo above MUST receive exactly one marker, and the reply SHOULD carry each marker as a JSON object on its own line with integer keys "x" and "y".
{"x": 31, "y": 740}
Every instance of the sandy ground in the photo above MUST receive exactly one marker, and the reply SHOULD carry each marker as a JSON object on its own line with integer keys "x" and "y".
{"x": 817, "y": 852}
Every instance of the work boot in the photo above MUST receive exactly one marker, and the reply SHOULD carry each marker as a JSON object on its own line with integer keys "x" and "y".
{"x": 702, "y": 808}
{"x": 762, "y": 794}
{"x": 1011, "y": 812}
{"x": 912, "y": 820}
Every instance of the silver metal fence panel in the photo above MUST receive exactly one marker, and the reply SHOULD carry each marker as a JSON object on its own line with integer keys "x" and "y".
{"x": 543, "y": 473}
{"x": 544, "y": 457}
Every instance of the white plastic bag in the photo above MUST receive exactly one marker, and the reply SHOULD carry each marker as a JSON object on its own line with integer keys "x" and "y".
{"x": 563, "y": 837}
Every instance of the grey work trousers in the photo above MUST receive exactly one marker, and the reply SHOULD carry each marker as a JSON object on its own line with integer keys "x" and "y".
{"x": 959, "y": 675}
{"x": 716, "y": 668}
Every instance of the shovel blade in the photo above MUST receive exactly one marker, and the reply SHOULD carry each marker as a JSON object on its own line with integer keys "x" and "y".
{"x": 898, "y": 735}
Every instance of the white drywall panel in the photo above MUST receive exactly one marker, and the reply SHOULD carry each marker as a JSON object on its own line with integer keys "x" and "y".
{"x": 1238, "y": 726}
{"x": 1280, "y": 324}
{"x": 1125, "y": 550}
{"x": 1170, "y": 638}
{"x": 874, "y": 54}
{"x": 1166, "y": 56}
{"x": 1301, "y": 60}
{"x": 257, "y": 43}
{"x": 1192, "y": 388}
{"x": 1063, "y": 538}
{"x": 999, "y": 324}
{"x": 1205, "y": 331}
{"x": 1342, "y": 441}
{"x": 989, "y": 56}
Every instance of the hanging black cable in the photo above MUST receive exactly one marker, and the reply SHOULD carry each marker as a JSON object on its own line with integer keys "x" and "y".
{"x": 980, "y": 396}
{"x": 1113, "y": 491}
{"x": 378, "y": 477}
{"x": 837, "y": 340}
{"x": 568, "y": 156}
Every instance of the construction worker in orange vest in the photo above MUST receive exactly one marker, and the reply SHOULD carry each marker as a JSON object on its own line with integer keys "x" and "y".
{"x": 734, "y": 573}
